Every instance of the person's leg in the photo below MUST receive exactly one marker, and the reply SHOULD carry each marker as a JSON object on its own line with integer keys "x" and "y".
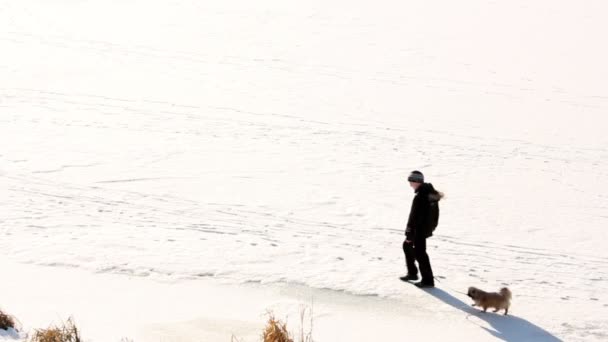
{"x": 410, "y": 257}
{"x": 424, "y": 262}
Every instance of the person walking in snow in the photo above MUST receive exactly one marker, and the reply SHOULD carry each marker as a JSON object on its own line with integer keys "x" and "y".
{"x": 423, "y": 219}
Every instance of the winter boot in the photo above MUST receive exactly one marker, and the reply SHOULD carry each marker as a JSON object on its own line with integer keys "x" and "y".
{"x": 409, "y": 277}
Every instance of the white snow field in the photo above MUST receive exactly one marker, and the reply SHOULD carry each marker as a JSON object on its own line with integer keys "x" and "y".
{"x": 169, "y": 170}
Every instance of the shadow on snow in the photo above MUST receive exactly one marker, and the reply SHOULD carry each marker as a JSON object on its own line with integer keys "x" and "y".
{"x": 507, "y": 328}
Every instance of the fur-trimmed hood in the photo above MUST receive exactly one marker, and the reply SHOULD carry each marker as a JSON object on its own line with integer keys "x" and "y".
{"x": 428, "y": 190}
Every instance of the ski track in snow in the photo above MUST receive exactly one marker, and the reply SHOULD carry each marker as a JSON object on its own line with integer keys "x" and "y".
{"x": 70, "y": 224}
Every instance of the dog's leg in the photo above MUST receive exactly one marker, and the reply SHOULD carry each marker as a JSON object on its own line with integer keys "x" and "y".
{"x": 485, "y": 308}
{"x": 496, "y": 310}
{"x": 506, "y": 310}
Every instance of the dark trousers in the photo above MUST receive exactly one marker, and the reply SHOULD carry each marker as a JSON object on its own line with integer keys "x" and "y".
{"x": 416, "y": 251}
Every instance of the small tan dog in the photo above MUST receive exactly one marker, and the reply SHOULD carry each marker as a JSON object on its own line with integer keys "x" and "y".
{"x": 498, "y": 300}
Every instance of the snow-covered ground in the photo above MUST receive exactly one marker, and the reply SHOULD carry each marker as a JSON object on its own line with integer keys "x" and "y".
{"x": 266, "y": 143}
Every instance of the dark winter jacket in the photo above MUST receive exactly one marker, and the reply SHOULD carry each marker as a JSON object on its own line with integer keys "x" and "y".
{"x": 419, "y": 224}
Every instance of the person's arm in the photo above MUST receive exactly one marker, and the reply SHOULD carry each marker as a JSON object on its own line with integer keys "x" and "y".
{"x": 415, "y": 220}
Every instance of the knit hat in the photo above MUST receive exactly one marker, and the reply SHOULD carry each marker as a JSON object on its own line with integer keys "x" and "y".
{"x": 416, "y": 177}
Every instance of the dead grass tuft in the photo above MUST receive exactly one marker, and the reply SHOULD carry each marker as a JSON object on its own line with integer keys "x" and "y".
{"x": 275, "y": 331}
{"x": 6, "y": 321}
{"x": 65, "y": 333}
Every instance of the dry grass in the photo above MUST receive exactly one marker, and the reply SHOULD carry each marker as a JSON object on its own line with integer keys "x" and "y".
{"x": 6, "y": 321}
{"x": 65, "y": 333}
{"x": 275, "y": 331}
{"x": 305, "y": 337}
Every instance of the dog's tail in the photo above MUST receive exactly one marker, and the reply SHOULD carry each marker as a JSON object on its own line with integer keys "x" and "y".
{"x": 506, "y": 293}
